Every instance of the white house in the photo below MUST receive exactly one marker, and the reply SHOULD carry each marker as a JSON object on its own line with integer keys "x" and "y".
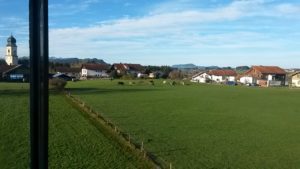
{"x": 201, "y": 77}
{"x": 223, "y": 75}
{"x": 295, "y": 79}
{"x": 264, "y": 76}
{"x": 94, "y": 70}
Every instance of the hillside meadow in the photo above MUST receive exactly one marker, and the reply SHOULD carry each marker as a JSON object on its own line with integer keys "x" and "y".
{"x": 203, "y": 126}
{"x": 75, "y": 141}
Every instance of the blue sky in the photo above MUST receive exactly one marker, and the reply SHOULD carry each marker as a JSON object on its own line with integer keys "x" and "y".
{"x": 165, "y": 32}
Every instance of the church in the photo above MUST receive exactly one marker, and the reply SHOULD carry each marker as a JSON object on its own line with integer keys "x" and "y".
{"x": 12, "y": 71}
{"x": 11, "y": 56}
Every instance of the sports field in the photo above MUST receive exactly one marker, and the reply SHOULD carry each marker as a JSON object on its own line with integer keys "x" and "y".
{"x": 74, "y": 140}
{"x": 203, "y": 126}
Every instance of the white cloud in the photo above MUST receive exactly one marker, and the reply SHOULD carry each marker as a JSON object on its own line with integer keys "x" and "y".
{"x": 178, "y": 33}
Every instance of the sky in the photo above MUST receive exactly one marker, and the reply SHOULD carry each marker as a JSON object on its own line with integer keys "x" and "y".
{"x": 165, "y": 32}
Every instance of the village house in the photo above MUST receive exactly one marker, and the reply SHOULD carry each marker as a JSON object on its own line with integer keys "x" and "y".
{"x": 221, "y": 76}
{"x": 69, "y": 71}
{"x": 125, "y": 68}
{"x": 264, "y": 76}
{"x": 201, "y": 77}
{"x": 295, "y": 79}
{"x": 93, "y": 70}
{"x": 14, "y": 73}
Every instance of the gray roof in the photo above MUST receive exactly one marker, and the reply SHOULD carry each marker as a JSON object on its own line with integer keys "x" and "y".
{"x": 11, "y": 41}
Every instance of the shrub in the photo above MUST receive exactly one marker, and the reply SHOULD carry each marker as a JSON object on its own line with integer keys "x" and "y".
{"x": 58, "y": 84}
{"x": 151, "y": 82}
{"x": 120, "y": 83}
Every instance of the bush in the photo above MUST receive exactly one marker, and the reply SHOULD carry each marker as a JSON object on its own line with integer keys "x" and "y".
{"x": 120, "y": 83}
{"x": 58, "y": 84}
{"x": 151, "y": 82}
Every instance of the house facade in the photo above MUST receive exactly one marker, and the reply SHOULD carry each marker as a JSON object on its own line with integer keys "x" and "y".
{"x": 201, "y": 77}
{"x": 264, "y": 76}
{"x": 295, "y": 79}
{"x": 94, "y": 71}
{"x": 18, "y": 73}
{"x": 221, "y": 76}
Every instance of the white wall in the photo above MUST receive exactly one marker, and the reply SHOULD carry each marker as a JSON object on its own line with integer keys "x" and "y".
{"x": 201, "y": 78}
{"x": 296, "y": 83}
{"x": 217, "y": 78}
{"x": 231, "y": 78}
{"x": 247, "y": 80}
{"x": 93, "y": 73}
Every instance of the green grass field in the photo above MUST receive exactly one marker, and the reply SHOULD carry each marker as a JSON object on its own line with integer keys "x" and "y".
{"x": 74, "y": 141}
{"x": 204, "y": 126}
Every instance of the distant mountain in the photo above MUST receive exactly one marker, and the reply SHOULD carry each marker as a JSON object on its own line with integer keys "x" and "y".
{"x": 75, "y": 61}
{"x": 212, "y": 67}
{"x": 185, "y": 66}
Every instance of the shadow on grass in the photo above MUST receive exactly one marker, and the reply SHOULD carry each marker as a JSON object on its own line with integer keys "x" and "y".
{"x": 98, "y": 91}
{"x": 14, "y": 92}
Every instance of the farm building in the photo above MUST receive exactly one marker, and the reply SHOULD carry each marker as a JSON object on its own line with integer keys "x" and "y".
{"x": 61, "y": 76}
{"x": 125, "y": 68}
{"x": 94, "y": 70}
{"x": 71, "y": 72}
{"x": 295, "y": 79}
{"x": 14, "y": 73}
{"x": 201, "y": 77}
{"x": 264, "y": 76}
{"x": 221, "y": 76}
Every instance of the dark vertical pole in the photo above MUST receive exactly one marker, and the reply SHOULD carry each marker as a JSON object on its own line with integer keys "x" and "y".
{"x": 38, "y": 43}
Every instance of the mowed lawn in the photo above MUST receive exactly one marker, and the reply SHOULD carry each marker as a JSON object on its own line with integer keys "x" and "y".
{"x": 74, "y": 142}
{"x": 204, "y": 126}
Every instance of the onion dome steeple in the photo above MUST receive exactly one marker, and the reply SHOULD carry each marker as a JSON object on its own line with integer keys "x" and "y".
{"x": 11, "y": 41}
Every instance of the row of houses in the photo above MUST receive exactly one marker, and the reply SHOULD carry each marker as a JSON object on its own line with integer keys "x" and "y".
{"x": 264, "y": 76}
{"x": 91, "y": 70}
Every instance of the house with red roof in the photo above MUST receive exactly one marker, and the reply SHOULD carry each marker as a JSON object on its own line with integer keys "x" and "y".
{"x": 126, "y": 68}
{"x": 264, "y": 76}
{"x": 222, "y": 75}
{"x": 94, "y": 70}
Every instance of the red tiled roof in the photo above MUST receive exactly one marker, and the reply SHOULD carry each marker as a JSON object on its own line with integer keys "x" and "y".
{"x": 222, "y": 72}
{"x": 119, "y": 66}
{"x": 269, "y": 69}
{"x": 94, "y": 66}
{"x": 137, "y": 67}
{"x": 127, "y": 66}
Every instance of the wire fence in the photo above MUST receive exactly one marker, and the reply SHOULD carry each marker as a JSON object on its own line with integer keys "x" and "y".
{"x": 124, "y": 137}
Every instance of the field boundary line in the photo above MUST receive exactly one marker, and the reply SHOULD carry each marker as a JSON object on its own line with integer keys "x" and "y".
{"x": 125, "y": 139}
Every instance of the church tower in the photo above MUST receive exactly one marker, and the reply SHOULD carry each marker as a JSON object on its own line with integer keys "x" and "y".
{"x": 11, "y": 56}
